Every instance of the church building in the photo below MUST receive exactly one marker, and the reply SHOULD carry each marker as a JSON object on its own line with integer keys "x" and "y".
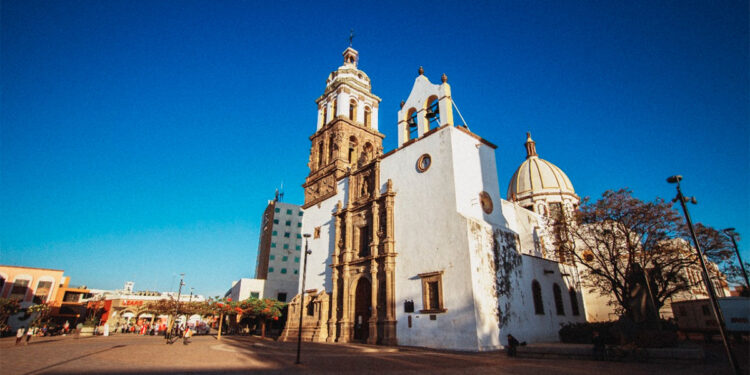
{"x": 416, "y": 246}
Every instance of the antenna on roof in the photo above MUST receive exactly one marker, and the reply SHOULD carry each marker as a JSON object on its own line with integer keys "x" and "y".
{"x": 276, "y": 196}
{"x": 281, "y": 192}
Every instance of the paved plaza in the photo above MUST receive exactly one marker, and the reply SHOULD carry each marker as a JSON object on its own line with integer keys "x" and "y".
{"x": 130, "y": 354}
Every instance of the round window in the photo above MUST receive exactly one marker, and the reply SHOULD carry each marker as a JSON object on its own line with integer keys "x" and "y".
{"x": 424, "y": 162}
{"x": 486, "y": 202}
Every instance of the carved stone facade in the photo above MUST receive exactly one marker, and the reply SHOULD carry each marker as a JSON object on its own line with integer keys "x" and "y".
{"x": 363, "y": 306}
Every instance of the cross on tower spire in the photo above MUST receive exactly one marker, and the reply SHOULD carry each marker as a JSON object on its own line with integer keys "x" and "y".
{"x": 351, "y": 36}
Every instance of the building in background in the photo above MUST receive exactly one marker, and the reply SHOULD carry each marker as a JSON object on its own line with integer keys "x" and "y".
{"x": 70, "y": 302}
{"x": 124, "y": 306}
{"x": 30, "y": 286}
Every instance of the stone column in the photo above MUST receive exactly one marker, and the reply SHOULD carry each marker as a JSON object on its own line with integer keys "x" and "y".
{"x": 345, "y": 328}
{"x": 332, "y": 332}
{"x": 389, "y": 326}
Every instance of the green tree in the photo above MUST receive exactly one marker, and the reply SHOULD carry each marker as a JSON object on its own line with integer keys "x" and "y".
{"x": 8, "y": 307}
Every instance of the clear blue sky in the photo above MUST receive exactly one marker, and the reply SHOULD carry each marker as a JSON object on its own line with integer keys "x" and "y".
{"x": 142, "y": 139}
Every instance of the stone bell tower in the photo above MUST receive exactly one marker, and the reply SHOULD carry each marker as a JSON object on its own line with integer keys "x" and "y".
{"x": 347, "y": 132}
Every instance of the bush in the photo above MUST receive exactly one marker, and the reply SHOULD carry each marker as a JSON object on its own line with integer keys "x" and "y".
{"x": 621, "y": 332}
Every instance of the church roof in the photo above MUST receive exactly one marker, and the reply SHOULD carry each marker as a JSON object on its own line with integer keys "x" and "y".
{"x": 537, "y": 176}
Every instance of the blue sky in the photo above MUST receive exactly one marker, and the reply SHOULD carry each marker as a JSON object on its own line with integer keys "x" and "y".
{"x": 137, "y": 137}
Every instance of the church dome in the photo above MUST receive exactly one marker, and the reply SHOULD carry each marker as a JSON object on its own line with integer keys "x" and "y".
{"x": 538, "y": 177}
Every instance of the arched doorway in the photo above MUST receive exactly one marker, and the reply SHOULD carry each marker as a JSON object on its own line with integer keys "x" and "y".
{"x": 362, "y": 309}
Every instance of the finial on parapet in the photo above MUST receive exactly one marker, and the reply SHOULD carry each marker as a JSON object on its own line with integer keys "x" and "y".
{"x": 421, "y": 70}
{"x": 444, "y": 78}
{"x": 402, "y": 104}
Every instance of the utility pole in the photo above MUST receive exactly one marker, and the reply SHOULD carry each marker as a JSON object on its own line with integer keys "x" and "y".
{"x": 176, "y": 310}
{"x": 302, "y": 299}
{"x": 706, "y": 279}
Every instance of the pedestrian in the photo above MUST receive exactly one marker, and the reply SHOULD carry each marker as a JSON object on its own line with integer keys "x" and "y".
{"x": 188, "y": 334}
{"x": 512, "y": 346}
{"x": 600, "y": 350}
{"x": 106, "y": 329}
{"x": 44, "y": 330}
{"x": 66, "y": 327}
{"x": 79, "y": 327}
{"x": 29, "y": 333}
{"x": 19, "y": 334}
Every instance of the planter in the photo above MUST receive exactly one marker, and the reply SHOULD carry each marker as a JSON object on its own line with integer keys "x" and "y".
{"x": 87, "y": 331}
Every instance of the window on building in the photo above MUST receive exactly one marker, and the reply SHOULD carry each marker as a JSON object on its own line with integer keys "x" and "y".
{"x": 281, "y": 297}
{"x": 275, "y": 221}
{"x": 42, "y": 290}
{"x": 284, "y": 258}
{"x": 283, "y": 270}
{"x": 299, "y": 235}
{"x": 353, "y": 110}
{"x": 296, "y": 259}
{"x": 433, "y": 112}
{"x": 270, "y": 269}
{"x": 288, "y": 223}
{"x": 574, "y": 301}
{"x": 368, "y": 117}
{"x": 298, "y": 247}
{"x": 310, "y": 308}
{"x": 432, "y": 292}
{"x": 412, "y": 124}
{"x": 273, "y": 244}
{"x": 287, "y": 234}
{"x": 295, "y": 272}
{"x": 288, "y": 212}
{"x": 272, "y": 257}
{"x": 555, "y": 210}
{"x": 536, "y": 291}
{"x": 71, "y": 297}
{"x": 325, "y": 114}
{"x": 320, "y": 158}
{"x": 2, "y": 283}
{"x": 277, "y": 210}
{"x": 20, "y": 287}
{"x": 364, "y": 241}
{"x": 300, "y": 213}
{"x": 274, "y": 233}
{"x": 316, "y": 233}
{"x": 286, "y": 246}
{"x": 255, "y": 294}
{"x": 558, "y": 299}
{"x": 299, "y": 225}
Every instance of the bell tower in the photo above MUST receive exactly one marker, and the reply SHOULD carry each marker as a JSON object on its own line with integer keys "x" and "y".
{"x": 346, "y": 137}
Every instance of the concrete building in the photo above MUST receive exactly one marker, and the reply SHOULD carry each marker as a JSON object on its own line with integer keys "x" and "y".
{"x": 279, "y": 251}
{"x": 30, "y": 286}
{"x": 416, "y": 246}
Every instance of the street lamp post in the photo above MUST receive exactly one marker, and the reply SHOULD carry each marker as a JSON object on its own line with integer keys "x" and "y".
{"x": 731, "y": 233}
{"x": 709, "y": 286}
{"x": 168, "y": 335}
{"x": 302, "y": 297}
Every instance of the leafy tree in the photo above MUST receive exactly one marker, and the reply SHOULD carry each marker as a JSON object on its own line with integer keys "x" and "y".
{"x": 611, "y": 238}
{"x": 42, "y": 314}
{"x": 8, "y": 307}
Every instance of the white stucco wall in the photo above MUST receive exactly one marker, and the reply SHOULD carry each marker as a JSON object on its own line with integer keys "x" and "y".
{"x": 319, "y": 261}
{"x": 429, "y": 237}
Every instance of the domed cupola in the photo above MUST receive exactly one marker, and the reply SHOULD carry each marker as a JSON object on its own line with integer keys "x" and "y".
{"x": 541, "y": 186}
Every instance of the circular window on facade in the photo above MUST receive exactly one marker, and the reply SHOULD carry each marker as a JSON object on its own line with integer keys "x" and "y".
{"x": 424, "y": 162}
{"x": 486, "y": 202}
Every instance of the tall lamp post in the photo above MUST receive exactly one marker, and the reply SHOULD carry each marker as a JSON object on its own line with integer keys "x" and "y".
{"x": 302, "y": 297}
{"x": 168, "y": 335}
{"x": 709, "y": 286}
{"x": 731, "y": 233}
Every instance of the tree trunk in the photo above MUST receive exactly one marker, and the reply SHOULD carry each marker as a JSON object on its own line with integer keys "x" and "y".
{"x": 263, "y": 328}
{"x": 221, "y": 321}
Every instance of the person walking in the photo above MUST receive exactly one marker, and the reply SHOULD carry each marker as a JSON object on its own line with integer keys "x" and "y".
{"x": 106, "y": 329}
{"x": 29, "y": 333}
{"x": 187, "y": 336}
{"x": 19, "y": 334}
{"x": 66, "y": 327}
{"x": 512, "y": 346}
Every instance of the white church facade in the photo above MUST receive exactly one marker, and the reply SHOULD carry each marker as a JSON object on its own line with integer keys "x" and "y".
{"x": 416, "y": 246}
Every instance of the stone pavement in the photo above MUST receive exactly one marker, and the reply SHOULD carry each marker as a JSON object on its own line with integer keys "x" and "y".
{"x": 130, "y": 354}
